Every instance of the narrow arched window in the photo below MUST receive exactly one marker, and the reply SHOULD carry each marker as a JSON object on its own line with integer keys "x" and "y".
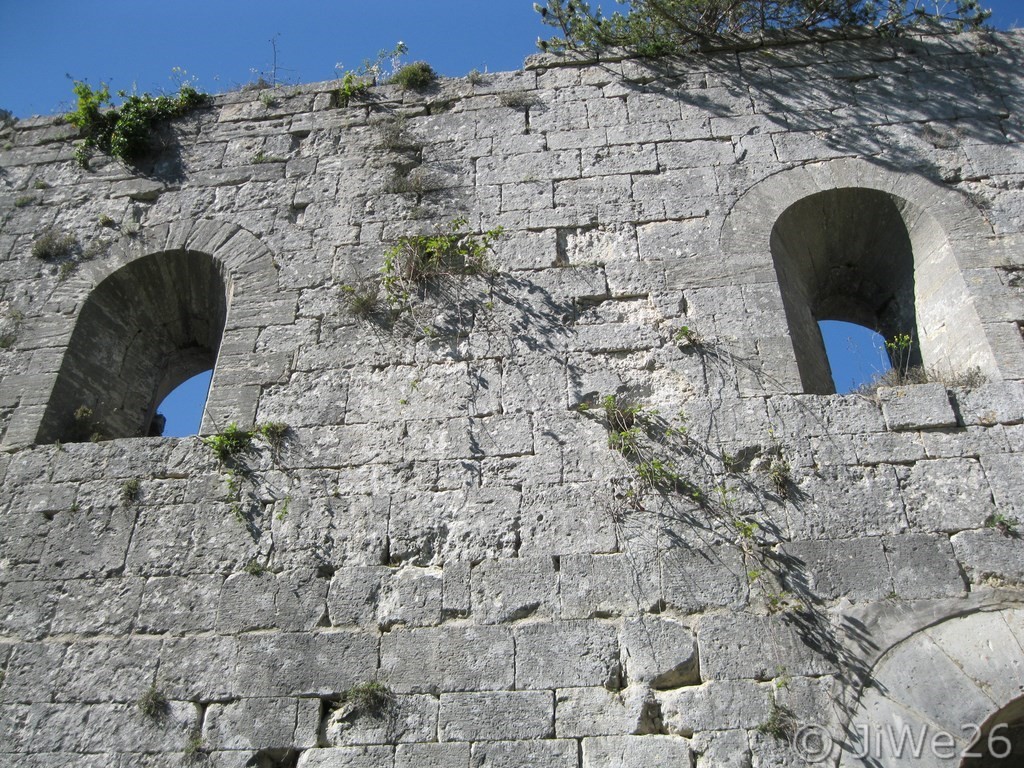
{"x": 145, "y": 329}
{"x": 867, "y": 257}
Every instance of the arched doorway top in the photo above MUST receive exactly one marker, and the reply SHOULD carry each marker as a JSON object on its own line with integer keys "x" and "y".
{"x": 748, "y": 225}
{"x": 242, "y": 255}
{"x": 852, "y": 240}
{"x": 249, "y": 276}
{"x": 948, "y": 675}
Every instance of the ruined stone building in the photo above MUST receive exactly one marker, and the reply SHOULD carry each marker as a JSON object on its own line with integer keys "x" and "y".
{"x": 566, "y": 485}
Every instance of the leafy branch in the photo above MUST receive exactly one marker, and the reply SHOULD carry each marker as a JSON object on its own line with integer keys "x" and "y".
{"x": 659, "y": 27}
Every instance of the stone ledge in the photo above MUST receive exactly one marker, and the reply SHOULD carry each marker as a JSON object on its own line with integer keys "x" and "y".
{"x": 920, "y": 406}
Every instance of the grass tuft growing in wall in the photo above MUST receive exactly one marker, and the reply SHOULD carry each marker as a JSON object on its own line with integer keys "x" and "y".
{"x": 414, "y": 76}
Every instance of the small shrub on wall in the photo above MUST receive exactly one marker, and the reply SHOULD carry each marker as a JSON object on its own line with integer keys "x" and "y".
{"x": 125, "y": 132}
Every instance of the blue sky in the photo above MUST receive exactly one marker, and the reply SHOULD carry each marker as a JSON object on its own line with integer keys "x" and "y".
{"x": 224, "y": 44}
{"x": 227, "y": 44}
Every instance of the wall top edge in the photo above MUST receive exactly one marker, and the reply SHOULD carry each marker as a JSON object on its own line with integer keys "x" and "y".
{"x": 719, "y": 48}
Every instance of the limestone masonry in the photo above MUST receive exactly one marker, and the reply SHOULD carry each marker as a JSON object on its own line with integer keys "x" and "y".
{"x": 596, "y": 508}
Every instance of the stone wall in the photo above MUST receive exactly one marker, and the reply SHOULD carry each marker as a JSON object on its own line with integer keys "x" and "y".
{"x": 592, "y": 508}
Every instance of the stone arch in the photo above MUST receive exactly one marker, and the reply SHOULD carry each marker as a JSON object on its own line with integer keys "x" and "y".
{"x": 203, "y": 282}
{"x": 1001, "y": 737}
{"x": 143, "y": 330}
{"x": 854, "y": 241}
{"x": 966, "y": 670}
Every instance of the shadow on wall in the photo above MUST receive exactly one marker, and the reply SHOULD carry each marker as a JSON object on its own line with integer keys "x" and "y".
{"x": 837, "y": 99}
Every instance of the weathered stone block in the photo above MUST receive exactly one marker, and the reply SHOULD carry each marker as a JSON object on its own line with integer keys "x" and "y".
{"x": 91, "y": 542}
{"x": 1002, "y": 471}
{"x": 510, "y": 589}
{"x": 411, "y": 596}
{"x": 693, "y": 580}
{"x": 199, "y": 668}
{"x": 721, "y": 748}
{"x": 715, "y": 706}
{"x": 287, "y": 664}
{"x": 401, "y": 719}
{"x": 946, "y": 495}
{"x": 123, "y": 728}
{"x": 827, "y": 417}
{"x": 107, "y": 670}
{"x": 564, "y": 164}
{"x": 469, "y": 524}
{"x": 854, "y": 568}
{"x": 528, "y": 196}
{"x": 32, "y": 672}
{"x": 535, "y": 385}
{"x": 566, "y": 654}
{"x": 879, "y": 448}
{"x": 636, "y": 751}
{"x": 445, "y": 755}
{"x": 259, "y": 723}
{"x": 988, "y": 556}
{"x": 965, "y": 443}
{"x": 176, "y": 605}
{"x": 680, "y": 194}
{"x": 596, "y": 711}
{"x": 564, "y": 520}
{"x": 591, "y": 586}
{"x": 557, "y": 753}
{"x": 922, "y": 406}
{"x": 496, "y": 715}
{"x": 456, "y": 593}
{"x": 27, "y": 608}
{"x": 994, "y": 403}
{"x": 659, "y": 652}
{"x": 348, "y": 757}
{"x": 432, "y": 660}
{"x": 742, "y": 646}
{"x": 501, "y": 435}
{"x": 923, "y": 567}
{"x": 158, "y": 548}
{"x": 246, "y": 603}
{"x": 692, "y": 154}
{"x": 846, "y": 502}
{"x": 622, "y": 159}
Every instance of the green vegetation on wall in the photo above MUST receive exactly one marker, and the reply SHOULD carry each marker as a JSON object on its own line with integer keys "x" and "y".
{"x": 418, "y": 263}
{"x": 125, "y": 132}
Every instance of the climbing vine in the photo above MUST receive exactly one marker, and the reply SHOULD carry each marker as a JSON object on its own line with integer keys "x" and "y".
{"x": 669, "y": 466}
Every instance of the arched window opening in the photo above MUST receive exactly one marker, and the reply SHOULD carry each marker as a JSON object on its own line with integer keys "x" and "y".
{"x": 867, "y": 257}
{"x": 180, "y": 413}
{"x": 145, "y": 329}
{"x": 857, "y": 356}
{"x": 1000, "y": 740}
